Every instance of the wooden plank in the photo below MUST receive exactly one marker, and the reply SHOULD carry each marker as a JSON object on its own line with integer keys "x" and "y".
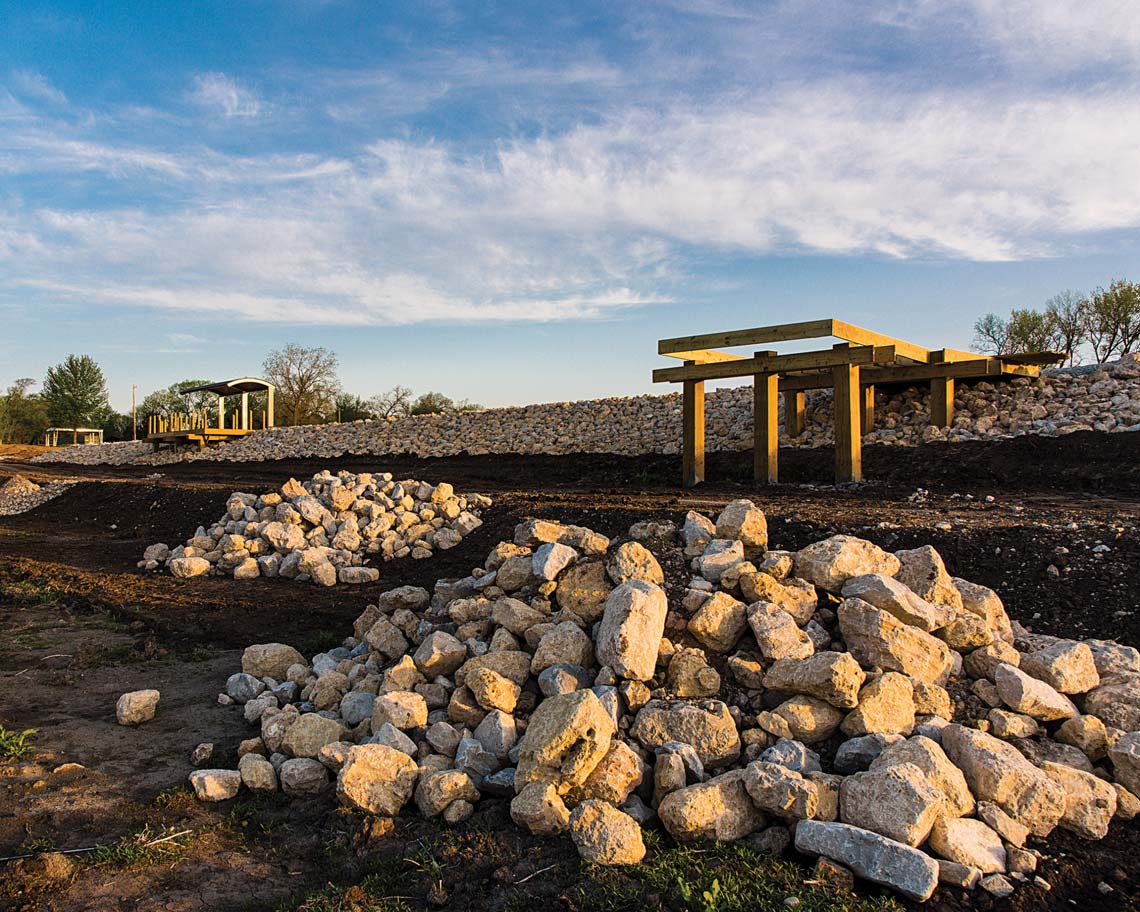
{"x": 793, "y": 411}
{"x": 705, "y": 356}
{"x": 907, "y": 373}
{"x": 766, "y": 428}
{"x": 861, "y": 354}
{"x": 848, "y": 441}
{"x": 1038, "y": 358}
{"x": 759, "y": 335}
{"x": 693, "y": 433}
{"x": 868, "y": 411}
{"x": 861, "y": 336}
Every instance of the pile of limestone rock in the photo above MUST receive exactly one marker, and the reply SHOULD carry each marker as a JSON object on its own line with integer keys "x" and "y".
{"x": 862, "y": 706}
{"x": 20, "y": 494}
{"x": 325, "y": 529}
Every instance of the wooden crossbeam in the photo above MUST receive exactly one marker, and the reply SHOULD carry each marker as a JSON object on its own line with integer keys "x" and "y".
{"x": 774, "y": 364}
{"x": 913, "y": 373}
{"x": 760, "y": 335}
{"x": 851, "y": 333}
{"x": 704, "y": 356}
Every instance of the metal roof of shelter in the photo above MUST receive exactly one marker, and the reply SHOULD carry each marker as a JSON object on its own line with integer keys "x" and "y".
{"x": 230, "y": 387}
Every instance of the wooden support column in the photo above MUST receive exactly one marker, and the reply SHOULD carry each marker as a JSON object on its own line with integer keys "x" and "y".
{"x": 868, "y": 409}
{"x": 221, "y": 412}
{"x": 269, "y": 409}
{"x": 941, "y": 397}
{"x": 245, "y": 411}
{"x": 794, "y": 412}
{"x": 693, "y": 432}
{"x": 848, "y": 441}
{"x": 766, "y": 428}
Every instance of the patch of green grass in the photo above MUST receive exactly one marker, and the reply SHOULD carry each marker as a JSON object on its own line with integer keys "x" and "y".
{"x": 35, "y": 845}
{"x": 718, "y": 877}
{"x": 388, "y": 889}
{"x": 15, "y": 745}
{"x": 175, "y": 798}
{"x": 144, "y": 848}
{"x": 320, "y": 641}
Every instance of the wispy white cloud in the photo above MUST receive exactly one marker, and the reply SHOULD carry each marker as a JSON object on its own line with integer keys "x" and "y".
{"x": 35, "y": 85}
{"x": 218, "y": 92}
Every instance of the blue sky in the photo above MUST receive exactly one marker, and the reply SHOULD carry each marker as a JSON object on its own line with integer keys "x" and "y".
{"x": 511, "y": 202}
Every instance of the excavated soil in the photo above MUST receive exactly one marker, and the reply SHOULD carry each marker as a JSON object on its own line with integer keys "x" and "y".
{"x": 82, "y": 624}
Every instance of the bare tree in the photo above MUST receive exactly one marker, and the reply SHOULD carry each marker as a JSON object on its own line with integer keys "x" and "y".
{"x": 991, "y": 335}
{"x": 396, "y": 403}
{"x": 306, "y": 383}
{"x": 1067, "y": 310}
{"x": 1112, "y": 319}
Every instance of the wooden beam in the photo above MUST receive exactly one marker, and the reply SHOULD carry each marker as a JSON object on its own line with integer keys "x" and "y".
{"x": 760, "y": 335}
{"x": 705, "y": 356}
{"x": 860, "y": 336}
{"x": 763, "y": 364}
{"x": 848, "y": 441}
{"x": 693, "y": 433}
{"x": 766, "y": 428}
{"x": 793, "y": 411}
{"x": 868, "y": 410}
{"x": 912, "y": 373}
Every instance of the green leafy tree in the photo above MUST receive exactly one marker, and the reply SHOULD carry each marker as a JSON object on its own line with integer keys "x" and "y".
{"x": 1112, "y": 319}
{"x": 23, "y": 414}
{"x": 432, "y": 403}
{"x": 76, "y": 393}
{"x": 352, "y": 408}
{"x": 116, "y": 426}
{"x": 1025, "y": 330}
{"x": 1030, "y": 331}
{"x": 306, "y": 383}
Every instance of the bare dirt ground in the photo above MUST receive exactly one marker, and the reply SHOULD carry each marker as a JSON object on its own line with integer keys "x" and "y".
{"x": 82, "y": 625}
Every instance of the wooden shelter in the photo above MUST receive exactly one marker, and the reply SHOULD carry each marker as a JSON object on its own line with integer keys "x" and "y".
{"x": 79, "y": 435}
{"x": 202, "y": 425}
{"x": 861, "y": 361}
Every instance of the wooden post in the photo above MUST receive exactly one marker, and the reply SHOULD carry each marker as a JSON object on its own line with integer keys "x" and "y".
{"x": 868, "y": 409}
{"x": 766, "y": 428}
{"x": 941, "y": 396}
{"x": 693, "y": 432}
{"x": 794, "y": 412}
{"x": 221, "y": 411}
{"x": 269, "y": 411}
{"x": 245, "y": 411}
{"x": 848, "y": 441}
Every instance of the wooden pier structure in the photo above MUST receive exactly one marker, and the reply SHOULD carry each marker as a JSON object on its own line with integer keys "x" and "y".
{"x": 204, "y": 425}
{"x": 861, "y": 361}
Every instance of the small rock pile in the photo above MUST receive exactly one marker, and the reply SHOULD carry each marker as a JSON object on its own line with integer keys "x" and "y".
{"x": 863, "y": 706}
{"x": 325, "y": 529}
{"x": 20, "y": 494}
{"x": 1098, "y": 397}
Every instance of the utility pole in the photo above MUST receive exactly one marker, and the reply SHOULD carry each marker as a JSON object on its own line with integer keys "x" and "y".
{"x": 134, "y": 416}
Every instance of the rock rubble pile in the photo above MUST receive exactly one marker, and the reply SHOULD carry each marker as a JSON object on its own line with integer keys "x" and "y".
{"x": 1105, "y": 398}
{"x": 325, "y": 529}
{"x": 863, "y": 706}
{"x": 19, "y": 494}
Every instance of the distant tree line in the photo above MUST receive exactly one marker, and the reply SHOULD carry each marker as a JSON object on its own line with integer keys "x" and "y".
{"x": 1105, "y": 324}
{"x": 308, "y": 391}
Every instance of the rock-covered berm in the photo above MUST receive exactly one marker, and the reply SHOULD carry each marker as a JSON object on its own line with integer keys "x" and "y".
{"x": 865, "y": 706}
{"x": 1104, "y": 398}
{"x": 325, "y": 530}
